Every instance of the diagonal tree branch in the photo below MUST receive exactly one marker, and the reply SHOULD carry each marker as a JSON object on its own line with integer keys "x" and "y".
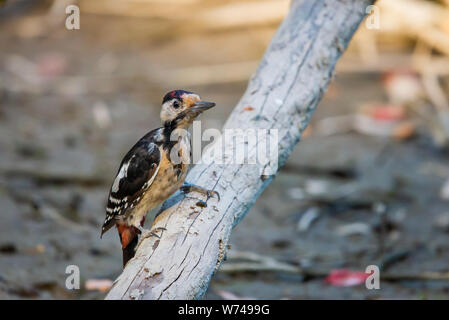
{"x": 282, "y": 95}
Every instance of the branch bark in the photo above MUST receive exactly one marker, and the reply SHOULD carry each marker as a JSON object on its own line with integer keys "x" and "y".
{"x": 282, "y": 94}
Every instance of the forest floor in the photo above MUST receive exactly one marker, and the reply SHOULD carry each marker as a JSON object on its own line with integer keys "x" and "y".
{"x": 72, "y": 104}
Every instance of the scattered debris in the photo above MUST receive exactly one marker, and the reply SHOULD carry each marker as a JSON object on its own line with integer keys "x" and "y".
{"x": 403, "y": 86}
{"x": 384, "y": 112}
{"x": 38, "y": 249}
{"x": 346, "y": 278}
{"x": 281, "y": 243}
{"x": 358, "y": 228}
{"x": 316, "y": 187}
{"x": 253, "y": 262}
{"x": 102, "y": 285}
{"x": 385, "y": 120}
{"x": 8, "y": 248}
{"x": 296, "y": 193}
{"x": 227, "y": 295}
{"x": 308, "y": 218}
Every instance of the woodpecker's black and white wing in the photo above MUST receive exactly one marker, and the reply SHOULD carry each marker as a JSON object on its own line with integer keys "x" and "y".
{"x": 136, "y": 174}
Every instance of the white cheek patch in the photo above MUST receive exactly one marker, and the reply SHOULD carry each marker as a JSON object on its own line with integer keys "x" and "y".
{"x": 167, "y": 112}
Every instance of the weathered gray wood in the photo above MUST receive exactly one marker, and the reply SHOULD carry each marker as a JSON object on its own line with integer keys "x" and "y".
{"x": 284, "y": 92}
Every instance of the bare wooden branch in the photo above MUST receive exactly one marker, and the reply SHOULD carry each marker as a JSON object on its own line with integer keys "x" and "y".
{"x": 282, "y": 95}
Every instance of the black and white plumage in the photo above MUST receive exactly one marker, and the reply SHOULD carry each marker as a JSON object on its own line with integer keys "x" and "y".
{"x": 137, "y": 172}
{"x": 147, "y": 175}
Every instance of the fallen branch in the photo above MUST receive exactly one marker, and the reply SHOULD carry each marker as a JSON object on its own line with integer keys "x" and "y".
{"x": 259, "y": 263}
{"x": 282, "y": 95}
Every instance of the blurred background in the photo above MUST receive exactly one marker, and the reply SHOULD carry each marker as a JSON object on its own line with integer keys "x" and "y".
{"x": 368, "y": 184}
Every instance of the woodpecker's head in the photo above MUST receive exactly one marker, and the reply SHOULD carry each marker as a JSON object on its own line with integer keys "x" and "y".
{"x": 180, "y": 108}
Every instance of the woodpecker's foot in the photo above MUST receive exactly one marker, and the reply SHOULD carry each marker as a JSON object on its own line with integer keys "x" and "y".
{"x": 144, "y": 233}
{"x": 187, "y": 188}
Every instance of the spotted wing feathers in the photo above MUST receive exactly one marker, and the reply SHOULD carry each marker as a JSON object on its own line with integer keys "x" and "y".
{"x": 135, "y": 175}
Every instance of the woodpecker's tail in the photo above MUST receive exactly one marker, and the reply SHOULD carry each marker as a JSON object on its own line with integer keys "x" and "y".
{"x": 129, "y": 239}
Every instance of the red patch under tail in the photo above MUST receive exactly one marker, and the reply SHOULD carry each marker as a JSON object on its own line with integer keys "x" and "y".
{"x": 129, "y": 240}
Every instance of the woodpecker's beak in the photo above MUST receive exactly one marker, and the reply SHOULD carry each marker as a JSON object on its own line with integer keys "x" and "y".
{"x": 202, "y": 106}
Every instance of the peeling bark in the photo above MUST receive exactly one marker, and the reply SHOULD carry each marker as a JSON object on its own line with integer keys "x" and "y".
{"x": 282, "y": 94}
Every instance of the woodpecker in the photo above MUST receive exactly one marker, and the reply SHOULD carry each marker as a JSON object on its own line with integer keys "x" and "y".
{"x": 149, "y": 174}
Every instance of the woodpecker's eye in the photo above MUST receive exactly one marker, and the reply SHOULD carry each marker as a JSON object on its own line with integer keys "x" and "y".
{"x": 176, "y": 104}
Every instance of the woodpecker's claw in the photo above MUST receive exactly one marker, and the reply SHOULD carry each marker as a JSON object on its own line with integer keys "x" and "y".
{"x": 187, "y": 188}
{"x": 144, "y": 233}
{"x": 211, "y": 193}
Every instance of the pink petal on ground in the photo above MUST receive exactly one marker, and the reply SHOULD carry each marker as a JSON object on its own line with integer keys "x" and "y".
{"x": 346, "y": 278}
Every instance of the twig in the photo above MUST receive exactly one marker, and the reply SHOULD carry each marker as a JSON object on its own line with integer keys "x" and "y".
{"x": 259, "y": 263}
